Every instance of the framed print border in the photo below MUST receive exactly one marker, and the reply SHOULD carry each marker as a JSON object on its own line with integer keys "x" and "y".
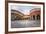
{"x": 6, "y": 16}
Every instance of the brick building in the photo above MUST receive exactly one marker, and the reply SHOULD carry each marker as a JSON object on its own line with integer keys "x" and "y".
{"x": 35, "y": 14}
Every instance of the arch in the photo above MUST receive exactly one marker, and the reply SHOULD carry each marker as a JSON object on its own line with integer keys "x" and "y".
{"x": 38, "y": 17}
{"x": 33, "y": 17}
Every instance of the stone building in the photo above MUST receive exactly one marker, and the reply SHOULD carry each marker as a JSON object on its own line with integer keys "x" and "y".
{"x": 16, "y": 15}
{"x": 34, "y": 15}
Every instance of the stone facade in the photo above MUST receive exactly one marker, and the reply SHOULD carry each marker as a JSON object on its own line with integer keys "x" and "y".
{"x": 34, "y": 15}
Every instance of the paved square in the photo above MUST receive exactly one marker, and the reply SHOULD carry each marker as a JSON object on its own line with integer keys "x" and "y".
{"x": 25, "y": 23}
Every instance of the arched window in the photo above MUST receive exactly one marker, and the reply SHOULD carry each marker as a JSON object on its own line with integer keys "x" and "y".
{"x": 33, "y": 17}
{"x": 38, "y": 17}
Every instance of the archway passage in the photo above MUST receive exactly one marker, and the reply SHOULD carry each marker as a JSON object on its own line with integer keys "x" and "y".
{"x": 38, "y": 17}
{"x": 33, "y": 17}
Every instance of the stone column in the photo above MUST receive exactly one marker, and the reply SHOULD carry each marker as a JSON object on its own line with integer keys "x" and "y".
{"x": 32, "y": 17}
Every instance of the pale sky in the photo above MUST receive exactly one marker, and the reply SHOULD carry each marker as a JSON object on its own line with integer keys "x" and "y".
{"x": 24, "y": 9}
